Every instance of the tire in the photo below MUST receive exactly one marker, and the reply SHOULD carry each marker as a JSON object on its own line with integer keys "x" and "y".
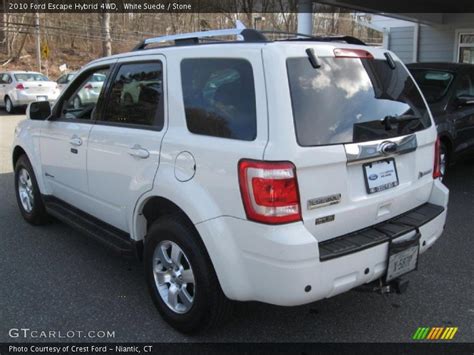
{"x": 444, "y": 155}
{"x": 26, "y": 188}
{"x": 9, "y": 105}
{"x": 209, "y": 306}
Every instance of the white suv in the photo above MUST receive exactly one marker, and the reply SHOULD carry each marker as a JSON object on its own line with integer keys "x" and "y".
{"x": 282, "y": 171}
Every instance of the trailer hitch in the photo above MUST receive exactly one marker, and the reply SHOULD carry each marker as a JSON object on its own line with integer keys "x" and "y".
{"x": 397, "y": 285}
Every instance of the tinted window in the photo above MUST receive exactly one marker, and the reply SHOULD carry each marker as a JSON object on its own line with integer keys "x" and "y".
{"x": 347, "y": 99}
{"x": 81, "y": 102}
{"x": 136, "y": 95}
{"x": 433, "y": 83}
{"x": 219, "y": 97}
{"x": 465, "y": 86}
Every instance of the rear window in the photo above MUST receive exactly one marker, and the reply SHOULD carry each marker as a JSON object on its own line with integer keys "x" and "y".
{"x": 346, "y": 100}
{"x": 30, "y": 77}
{"x": 433, "y": 83}
{"x": 219, "y": 97}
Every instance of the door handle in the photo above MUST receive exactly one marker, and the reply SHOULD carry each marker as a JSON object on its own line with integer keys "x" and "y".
{"x": 75, "y": 140}
{"x": 138, "y": 151}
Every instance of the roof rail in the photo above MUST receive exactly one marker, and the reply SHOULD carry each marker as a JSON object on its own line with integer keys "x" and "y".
{"x": 305, "y": 37}
{"x": 248, "y": 35}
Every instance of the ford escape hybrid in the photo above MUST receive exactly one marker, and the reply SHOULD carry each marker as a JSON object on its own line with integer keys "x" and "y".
{"x": 280, "y": 171}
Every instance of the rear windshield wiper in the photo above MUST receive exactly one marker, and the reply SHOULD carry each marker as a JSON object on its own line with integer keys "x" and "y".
{"x": 389, "y": 120}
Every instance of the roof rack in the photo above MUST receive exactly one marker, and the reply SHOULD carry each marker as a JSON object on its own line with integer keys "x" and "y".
{"x": 246, "y": 34}
{"x": 305, "y": 37}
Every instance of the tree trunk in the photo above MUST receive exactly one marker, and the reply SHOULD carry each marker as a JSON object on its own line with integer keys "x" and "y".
{"x": 104, "y": 19}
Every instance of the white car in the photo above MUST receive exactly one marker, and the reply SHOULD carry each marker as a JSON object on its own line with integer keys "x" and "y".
{"x": 283, "y": 172}
{"x": 19, "y": 88}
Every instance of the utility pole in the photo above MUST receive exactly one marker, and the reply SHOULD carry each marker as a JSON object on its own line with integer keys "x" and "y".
{"x": 38, "y": 41}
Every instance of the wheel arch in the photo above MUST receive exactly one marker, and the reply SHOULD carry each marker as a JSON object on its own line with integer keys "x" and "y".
{"x": 448, "y": 141}
{"x": 18, "y": 151}
{"x": 153, "y": 208}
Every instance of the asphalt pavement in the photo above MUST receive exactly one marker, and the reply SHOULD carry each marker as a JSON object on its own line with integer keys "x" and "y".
{"x": 53, "y": 278}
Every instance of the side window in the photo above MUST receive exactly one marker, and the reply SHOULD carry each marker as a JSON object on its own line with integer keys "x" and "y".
{"x": 136, "y": 95}
{"x": 62, "y": 79}
{"x": 219, "y": 97}
{"x": 465, "y": 85}
{"x": 6, "y": 79}
{"x": 81, "y": 102}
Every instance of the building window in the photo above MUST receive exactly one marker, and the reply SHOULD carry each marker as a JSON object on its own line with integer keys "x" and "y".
{"x": 466, "y": 47}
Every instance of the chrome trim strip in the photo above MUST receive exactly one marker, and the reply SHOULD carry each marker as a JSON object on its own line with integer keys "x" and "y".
{"x": 373, "y": 150}
{"x": 323, "y": 201}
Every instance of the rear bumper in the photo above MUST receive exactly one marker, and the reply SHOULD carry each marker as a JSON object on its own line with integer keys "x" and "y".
{"x": 282, "y": 264}
{"x": 23, "y": 99}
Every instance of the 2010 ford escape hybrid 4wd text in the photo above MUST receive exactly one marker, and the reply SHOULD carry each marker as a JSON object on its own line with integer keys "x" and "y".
{"x": 280, "y": 171}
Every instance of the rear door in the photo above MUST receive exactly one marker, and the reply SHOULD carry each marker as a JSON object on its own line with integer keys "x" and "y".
{"x": 124, "y": 145}
{"x": 361, "y": 146}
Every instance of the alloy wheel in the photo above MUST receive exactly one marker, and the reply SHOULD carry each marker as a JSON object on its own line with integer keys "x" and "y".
{"x": 174, "y": 277}
{"x": 25, "y": 190}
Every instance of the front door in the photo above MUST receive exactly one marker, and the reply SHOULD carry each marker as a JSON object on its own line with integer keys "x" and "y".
{"x": 124, "y": 144}
{"x": 64, "y": 140}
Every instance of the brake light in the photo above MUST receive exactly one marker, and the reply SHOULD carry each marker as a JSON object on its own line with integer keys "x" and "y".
{"x": 269, "y": 191}
{"x": 352, "y": 53}
{"x": 436, "y": 168}
{"x": 20, "y": 87}
{"x": 88, "y": 87}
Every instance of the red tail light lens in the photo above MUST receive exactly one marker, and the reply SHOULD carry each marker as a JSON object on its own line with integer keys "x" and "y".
{"x": 436, "y": 168}
{"x": 352, "y": 53}
{"x": 20, "y": 87}
{"x": 88, "y": 87}
{"x": 269, "y": 191}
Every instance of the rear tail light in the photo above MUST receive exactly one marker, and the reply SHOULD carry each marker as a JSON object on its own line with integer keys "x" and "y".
{"x": 352, "y": 53}
{"x": 20, "y": 87}
{"x": 88, "y": 87}
{"x": 436, "y": 168}
{"x": 269, "y": 191}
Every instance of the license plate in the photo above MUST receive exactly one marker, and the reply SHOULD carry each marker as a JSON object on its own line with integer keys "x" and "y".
{"x": 380, "y": 175}
{"x": 402, "y": 257}
{"x": 41, "y": 98}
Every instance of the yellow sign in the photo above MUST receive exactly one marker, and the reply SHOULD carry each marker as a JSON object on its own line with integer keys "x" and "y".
{"x": 45, "y": 51}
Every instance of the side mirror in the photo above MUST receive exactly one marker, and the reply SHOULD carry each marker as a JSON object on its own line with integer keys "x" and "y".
{"x": 464, "y": 100}
{"x": 39, "y": 110}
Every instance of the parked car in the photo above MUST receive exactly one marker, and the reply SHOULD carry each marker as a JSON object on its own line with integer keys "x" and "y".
{"x": 19, "y": 88}
{"x": 449, "y": 91}
{"x": 64, "y": 80}
{"x": 283, "y": 172}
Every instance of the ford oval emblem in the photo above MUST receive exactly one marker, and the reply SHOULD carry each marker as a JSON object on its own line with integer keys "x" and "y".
{"x": 373, "y": 177}
{"x": 388, "y": 147}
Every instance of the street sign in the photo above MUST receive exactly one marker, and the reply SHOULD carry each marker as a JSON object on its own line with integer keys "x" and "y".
{"x": 44, "y": 51}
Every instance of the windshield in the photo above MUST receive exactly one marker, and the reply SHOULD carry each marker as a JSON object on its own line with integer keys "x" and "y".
{"x": 347, "y": 100}
{"x": 30, "y": 77}
{"x": 433, "y": 83}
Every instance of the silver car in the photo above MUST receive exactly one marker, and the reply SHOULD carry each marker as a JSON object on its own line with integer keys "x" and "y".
{"x": 89, "y": 93}
{"x": 19, "y": 88}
